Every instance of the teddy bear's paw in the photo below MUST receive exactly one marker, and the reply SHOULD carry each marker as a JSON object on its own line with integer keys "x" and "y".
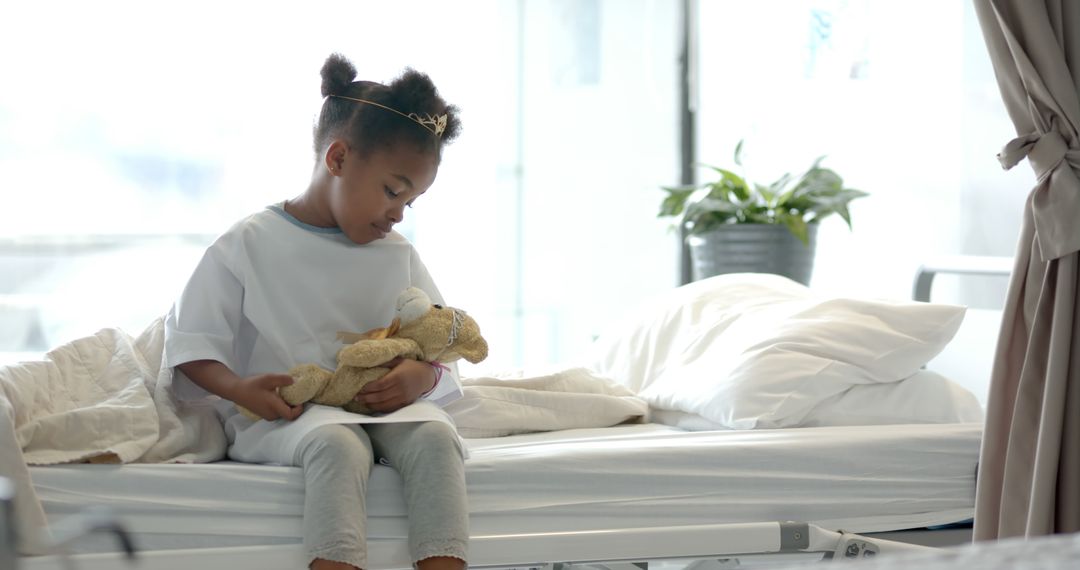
{"x": 308, "y": 381}
{"x": 369, "y": 353}
{"x": 346, "y": 383}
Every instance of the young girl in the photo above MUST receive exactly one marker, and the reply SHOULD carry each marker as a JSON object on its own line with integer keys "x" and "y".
{"x": 275, "y": 289}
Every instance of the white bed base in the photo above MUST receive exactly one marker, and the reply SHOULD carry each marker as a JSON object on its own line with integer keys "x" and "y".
{"x": 727, "y": 544}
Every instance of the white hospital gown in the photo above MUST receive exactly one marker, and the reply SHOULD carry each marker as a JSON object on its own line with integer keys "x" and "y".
{"x": 273, "y": 292}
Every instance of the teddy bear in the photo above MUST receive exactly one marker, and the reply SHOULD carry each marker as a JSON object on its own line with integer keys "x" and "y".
{"x": 420, "y": 330}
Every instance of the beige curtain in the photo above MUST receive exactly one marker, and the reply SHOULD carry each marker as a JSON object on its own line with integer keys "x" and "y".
{"x": 1029, "y": 470}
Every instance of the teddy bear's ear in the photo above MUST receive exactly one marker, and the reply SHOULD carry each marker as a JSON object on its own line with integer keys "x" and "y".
{"x": 412, "y": 304}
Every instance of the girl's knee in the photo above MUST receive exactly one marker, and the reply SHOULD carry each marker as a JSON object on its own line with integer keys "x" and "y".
{"x": 433, "y": 433}
{"x": 335, "y": 443}
{"x": 433, "y": 438}
{"x": 423, "y": 441}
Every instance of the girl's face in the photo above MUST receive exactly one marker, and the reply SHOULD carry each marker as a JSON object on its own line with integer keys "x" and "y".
{"x": 368, "y": 195}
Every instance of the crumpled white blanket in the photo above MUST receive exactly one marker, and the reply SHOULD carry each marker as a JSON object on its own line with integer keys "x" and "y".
{"x": 101, "y": 398}
{"x": 565, "y": 399}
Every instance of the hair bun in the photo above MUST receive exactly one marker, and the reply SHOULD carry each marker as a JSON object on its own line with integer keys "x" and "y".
{"x": 337, "y": 73}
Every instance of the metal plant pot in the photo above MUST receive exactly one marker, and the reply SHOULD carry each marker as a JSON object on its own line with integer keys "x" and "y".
{"x": 753, "y": 248}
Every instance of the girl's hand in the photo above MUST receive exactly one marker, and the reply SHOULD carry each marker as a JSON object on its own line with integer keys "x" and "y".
{"x": 405, "y": 382}
{"x": 259, "y": 394}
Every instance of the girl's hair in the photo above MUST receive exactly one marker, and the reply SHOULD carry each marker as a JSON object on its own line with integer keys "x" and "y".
{"x": 369, "y": 127}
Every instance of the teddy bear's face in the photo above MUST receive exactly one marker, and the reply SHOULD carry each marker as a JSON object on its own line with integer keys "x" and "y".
{"x": 446, "y": 334}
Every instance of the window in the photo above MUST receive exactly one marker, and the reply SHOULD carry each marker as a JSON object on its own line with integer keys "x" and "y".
{"x": 901, "y": 98}
{"x": 132, "y": 133}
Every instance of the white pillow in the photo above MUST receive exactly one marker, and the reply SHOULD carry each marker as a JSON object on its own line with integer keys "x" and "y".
{"x": 925, "y": 397}
{"x": 761, "y": 351}
{"x": 640, "y": 346}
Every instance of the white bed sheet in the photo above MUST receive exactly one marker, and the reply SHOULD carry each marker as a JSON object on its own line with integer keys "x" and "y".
{"x": 859, "y": 479}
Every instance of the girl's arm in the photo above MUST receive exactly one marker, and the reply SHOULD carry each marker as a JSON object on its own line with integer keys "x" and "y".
{"x": 257, "y": 393}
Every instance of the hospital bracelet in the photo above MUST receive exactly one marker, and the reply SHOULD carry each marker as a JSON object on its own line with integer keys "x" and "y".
{"x": 439, "y": 367}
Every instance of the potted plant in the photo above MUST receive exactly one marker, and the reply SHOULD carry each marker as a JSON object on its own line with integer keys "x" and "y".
{"x": 733, "y": 225}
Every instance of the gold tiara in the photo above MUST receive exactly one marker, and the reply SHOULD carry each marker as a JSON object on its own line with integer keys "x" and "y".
{"x": 436, "y": 125}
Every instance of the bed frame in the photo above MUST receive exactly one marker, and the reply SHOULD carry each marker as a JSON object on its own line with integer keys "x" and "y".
{"x": 633, "y": 549}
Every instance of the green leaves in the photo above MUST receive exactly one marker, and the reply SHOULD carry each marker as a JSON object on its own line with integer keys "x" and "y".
{"x": 794, "y": 202}
{"x": 675, "y": 201}
{"x": 796, "y": 225}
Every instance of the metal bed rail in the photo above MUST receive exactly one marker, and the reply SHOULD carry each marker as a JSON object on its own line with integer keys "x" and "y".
{"x": 957, "y": 265}
{"x": 631, "y": 549}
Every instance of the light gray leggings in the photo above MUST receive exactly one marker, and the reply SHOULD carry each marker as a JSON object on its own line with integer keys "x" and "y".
{"x": 337, "y": 460}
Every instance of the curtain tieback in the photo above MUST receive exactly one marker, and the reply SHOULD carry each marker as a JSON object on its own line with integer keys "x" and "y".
{"x": 1044, "y": 151}
{"x": 1055, "y": 201}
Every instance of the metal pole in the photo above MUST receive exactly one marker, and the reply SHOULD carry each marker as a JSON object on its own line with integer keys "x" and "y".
{"x": 687, "y": 111}
{"x": 8, "y": 538}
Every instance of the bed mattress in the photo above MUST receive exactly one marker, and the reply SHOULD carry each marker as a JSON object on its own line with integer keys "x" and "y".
{"x": 859, "y": 479}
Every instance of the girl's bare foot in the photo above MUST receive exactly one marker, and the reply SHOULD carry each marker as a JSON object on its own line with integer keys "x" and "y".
{"x": 321, "y": 564}
{"x": 441, "y": 563}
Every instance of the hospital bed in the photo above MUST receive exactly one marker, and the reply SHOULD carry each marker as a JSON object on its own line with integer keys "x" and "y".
{"x": 630, "y": 491}
{"x": 664, "y": 491}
